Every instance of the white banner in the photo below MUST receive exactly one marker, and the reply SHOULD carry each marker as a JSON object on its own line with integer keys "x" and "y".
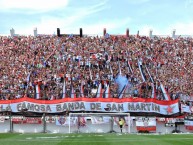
{"x": 100, "y": 120}
{"x": 143, "y": 121}
{"x": 187, "y": 109}
{"x": 86, "y": 104}
{"x": 50, "y": 119}
{"x": 66, "y": 121}
{"x": 188, "y": 123}
{"x": 173, "y": 120}
{"x": 146, "y": 124}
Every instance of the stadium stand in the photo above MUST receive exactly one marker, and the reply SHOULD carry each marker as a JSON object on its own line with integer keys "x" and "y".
{"x": 50, "y": 67}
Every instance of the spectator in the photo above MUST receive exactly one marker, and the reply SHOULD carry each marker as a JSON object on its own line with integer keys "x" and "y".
{"x": 27, "y": 61}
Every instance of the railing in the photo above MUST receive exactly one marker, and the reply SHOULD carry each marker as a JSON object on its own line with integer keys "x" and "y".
{"x": 57, "y": 96}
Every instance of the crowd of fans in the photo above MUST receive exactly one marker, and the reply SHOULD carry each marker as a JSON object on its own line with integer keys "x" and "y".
{"x": 64, "y": 65}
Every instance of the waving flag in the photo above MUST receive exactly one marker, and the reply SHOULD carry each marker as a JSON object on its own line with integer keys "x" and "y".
{"x": 165, "y": 92}
{"x": 141, "y": 70}
{"x": 99, "y": 91}
{"x": 129, "y": 67}
{"x": 106, "y": 93}
{"x": 121, "y": 94}
{"x": 64, "y": 90}
{"x": 119, "y": 68}
{"x": 149, "y": 74}
{"x": 121, "y": 81}
{"x": 128, "y": 63}
{"x": 153, "y": 94}
{"x": 38, "y": 90}
{"x": 90, "y": 73}
{"x": 73, "y": 95}
{"x": 28, "y": 80}
{"x": 82, "y": 89}
{"x": 52, "y": 97}
{"x": 111, "y": 70}
{"x": 28, "y": 77}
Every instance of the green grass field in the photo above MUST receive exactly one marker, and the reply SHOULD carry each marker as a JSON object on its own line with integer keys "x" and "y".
{"x": 95, "y": 139}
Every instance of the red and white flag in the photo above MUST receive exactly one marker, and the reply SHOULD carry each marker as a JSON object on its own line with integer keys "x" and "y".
{"x": 165, "y": 92}
{"x": 52, "y": 97}
{"x": 143, "y": 124}
{"x": 82, "y": 89}
{"x": 149, "y": 74}
{"x": 99, "y": 91}
{"x": 141, "y": 70}
{"x": 153, "y": 94}
{"x": 107, "y": 92}
{"x": 73, "y": 95}
{"x": 64, "y": 90}
{"x": 38, "y": 90}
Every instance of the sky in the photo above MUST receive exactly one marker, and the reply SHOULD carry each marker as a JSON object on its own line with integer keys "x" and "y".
{"x": 162, "y": 16}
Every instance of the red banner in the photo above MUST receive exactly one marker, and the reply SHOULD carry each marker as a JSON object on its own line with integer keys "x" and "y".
{"x": 189, "y": 127}
{"x": 148, "y": 128}
{"x": 26, "y": 120}
{"x": 29, "y": 120}
{"x": 17, "y": 120}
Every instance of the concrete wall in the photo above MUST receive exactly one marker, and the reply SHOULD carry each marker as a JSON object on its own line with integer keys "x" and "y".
{"x": 52, "y": 128}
